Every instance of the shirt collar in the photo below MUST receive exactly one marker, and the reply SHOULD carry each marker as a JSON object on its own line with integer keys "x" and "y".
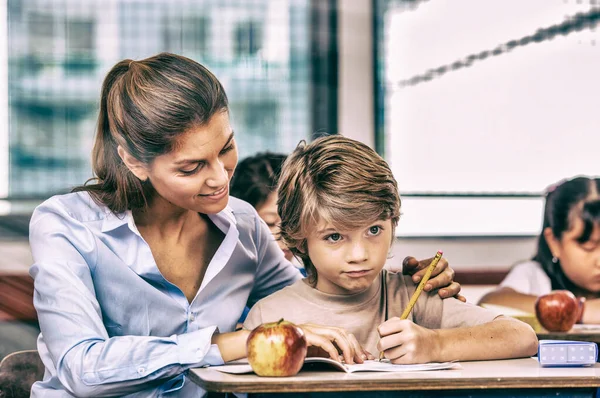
{"x": 112, "y": 221}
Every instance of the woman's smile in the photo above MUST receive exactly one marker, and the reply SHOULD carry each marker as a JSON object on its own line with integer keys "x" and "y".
{"x": 217, "y": 195}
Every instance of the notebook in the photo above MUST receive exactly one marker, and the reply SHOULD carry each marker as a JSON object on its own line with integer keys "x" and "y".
{"x": 241, "y": 367}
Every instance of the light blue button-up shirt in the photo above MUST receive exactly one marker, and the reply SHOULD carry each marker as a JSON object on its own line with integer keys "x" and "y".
{"x": 111, "y": 324}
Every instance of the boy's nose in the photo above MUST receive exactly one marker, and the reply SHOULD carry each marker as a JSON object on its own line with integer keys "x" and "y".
{"x": 357, "y": 253}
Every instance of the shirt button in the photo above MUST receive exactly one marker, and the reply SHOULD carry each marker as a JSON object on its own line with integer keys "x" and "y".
{"x": 192, "y": 318}
{"x": 141, "y": 370}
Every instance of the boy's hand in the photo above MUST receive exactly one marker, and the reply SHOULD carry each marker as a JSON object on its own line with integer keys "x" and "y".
{"x": 442, "y": 277}
{"x": 405, "y": 342}
{"x": 325, "y": 341}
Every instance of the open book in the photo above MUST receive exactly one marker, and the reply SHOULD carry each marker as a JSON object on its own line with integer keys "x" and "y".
{"x": 316, "y": 363}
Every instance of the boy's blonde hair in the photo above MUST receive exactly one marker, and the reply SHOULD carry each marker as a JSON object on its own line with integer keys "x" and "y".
{"x": 336, "y": 179}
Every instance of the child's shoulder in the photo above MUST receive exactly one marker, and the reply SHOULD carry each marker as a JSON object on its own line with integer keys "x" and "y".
{"x": 397, "y": 281}
{"x": 282, "y": 296}
{"x": 275, "y": 306}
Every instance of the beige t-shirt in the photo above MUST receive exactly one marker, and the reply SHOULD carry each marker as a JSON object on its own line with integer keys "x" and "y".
{"x": 361, "y": 313}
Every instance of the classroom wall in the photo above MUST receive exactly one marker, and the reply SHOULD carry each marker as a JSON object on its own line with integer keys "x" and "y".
{"x": 355, "y": 120}
{"x": 469, "y": 254}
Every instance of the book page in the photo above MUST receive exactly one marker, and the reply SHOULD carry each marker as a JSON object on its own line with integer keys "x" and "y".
{"x": 386, "y": 366}
{"x": 242, "y": 367}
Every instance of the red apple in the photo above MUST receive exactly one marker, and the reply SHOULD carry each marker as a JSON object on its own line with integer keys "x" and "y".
{"x": 557, "y": 311}
{"x": 276, "y": 349}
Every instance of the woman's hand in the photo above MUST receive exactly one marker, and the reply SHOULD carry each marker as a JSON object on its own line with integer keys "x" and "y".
{"x": 336, "y": 343}
{"x": 442, "y": 277}
{"x": 404, "y": 342}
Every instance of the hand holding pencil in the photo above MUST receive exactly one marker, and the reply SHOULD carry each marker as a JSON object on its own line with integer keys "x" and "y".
{"x": 419, "y": 289}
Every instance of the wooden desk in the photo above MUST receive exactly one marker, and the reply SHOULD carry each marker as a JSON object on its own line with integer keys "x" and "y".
{"x": 507, "y": 374}
{"x": 578, "y": 333}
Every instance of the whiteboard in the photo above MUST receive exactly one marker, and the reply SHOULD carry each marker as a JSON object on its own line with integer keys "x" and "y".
{"x": 513, "y": 123}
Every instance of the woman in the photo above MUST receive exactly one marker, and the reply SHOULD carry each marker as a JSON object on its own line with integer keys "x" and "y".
{"x": 142, "y": 274}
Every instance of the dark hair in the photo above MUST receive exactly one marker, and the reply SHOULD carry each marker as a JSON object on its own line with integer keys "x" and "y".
{"x": 255, "y": 177}
{"x": 144, "y": 107}
{"x": 569, "y": 200}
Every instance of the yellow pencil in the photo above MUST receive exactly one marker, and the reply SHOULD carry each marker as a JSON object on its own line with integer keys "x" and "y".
{"x": 420, "y": 287}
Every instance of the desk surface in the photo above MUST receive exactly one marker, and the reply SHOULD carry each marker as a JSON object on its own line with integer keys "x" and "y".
{"x": 579, "y": 333}
{"x": 512, "y": 373}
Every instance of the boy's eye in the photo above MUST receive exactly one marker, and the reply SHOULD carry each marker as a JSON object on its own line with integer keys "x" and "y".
{"x": 334, "y": 237}
{"x": 374, "y": 230}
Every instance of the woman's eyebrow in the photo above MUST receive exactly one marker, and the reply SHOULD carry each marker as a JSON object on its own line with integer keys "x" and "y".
{"x": 187, "y": 161}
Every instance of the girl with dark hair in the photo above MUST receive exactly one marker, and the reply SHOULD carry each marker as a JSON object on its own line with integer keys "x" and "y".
{"x": 568, "y": 252}
{"x": 142, "y": 273}
{"x": 255, "y": 181}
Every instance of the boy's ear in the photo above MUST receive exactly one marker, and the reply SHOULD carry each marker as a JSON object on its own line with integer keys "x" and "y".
{"x": 136, "y": 167}
{"x": 553, "y": 242}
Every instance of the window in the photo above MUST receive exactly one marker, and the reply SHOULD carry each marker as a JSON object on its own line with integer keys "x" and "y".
{"x": 80, "y": 46}
{"x": 190, "y": 34}
{"x": 247, "y": 39}
{"x": 483, "y": 106}
{"x": 59, "y": 53}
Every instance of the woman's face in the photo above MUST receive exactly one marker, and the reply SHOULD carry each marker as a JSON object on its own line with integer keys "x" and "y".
{"x": 580, "y": 261}
{"x": 195, "y": 175}
{"x": 267, "y": 210}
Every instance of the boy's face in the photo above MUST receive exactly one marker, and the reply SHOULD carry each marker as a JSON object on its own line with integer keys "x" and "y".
{"x": 348, "y": 262}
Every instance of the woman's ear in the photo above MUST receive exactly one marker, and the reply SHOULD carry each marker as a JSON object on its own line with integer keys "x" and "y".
{"x": 136, "y": 167}
{"x": 553, "y": 242}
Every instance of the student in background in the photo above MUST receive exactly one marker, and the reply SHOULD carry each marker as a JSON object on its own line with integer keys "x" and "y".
{"x": 339, "y": 206}
{"x": 143, "y": 273}
{"x": 568, "y": 252}
{"x": 255, "y": 181}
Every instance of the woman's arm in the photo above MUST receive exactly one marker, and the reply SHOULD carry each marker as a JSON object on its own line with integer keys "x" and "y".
{"x": 405, "y": 342}
{"x": 88, "y": 362}
{"x": 273, "y": 271}
{"x": 232, "y": 345}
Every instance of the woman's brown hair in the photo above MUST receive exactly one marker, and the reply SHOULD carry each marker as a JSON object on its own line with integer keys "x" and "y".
{"x": 144, "y": 106}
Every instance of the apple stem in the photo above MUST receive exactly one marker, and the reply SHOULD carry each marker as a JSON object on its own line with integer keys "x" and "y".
{"x": 281, "y": 320}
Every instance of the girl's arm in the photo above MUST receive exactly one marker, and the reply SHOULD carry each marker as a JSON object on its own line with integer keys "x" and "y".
{"x": 591, "y": 312}
{"x": 508, "y": 297}
{"x": 520, "y": 288}
{"x": 405, "y": 342}
{"x": 525, "y": 302}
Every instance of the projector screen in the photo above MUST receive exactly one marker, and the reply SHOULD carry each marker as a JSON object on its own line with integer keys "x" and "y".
{"x": 520, "y": 114}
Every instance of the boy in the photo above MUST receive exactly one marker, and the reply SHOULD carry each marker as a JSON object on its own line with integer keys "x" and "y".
{"x": 339, "y": 206}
